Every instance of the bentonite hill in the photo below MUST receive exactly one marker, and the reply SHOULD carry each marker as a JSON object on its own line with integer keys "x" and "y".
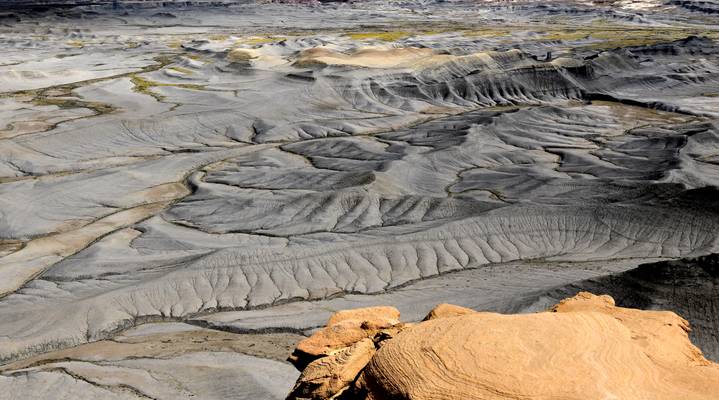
{"x": 190, "y": 189}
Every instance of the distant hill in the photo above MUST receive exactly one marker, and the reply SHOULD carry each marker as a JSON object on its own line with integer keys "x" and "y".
{"x": 20, "y": 4}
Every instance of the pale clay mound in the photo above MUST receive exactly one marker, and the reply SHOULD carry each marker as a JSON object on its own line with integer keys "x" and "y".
{"x": 583, "y": 348}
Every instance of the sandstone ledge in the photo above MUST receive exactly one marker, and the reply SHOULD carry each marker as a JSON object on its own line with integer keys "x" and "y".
{"x": 585, "y": 347}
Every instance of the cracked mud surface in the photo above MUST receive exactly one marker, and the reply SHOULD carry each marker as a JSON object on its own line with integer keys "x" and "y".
{"x": 186, "y": 192}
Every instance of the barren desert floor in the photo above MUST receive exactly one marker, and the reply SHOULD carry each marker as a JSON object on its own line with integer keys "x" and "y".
{"x": 187, "y": 192}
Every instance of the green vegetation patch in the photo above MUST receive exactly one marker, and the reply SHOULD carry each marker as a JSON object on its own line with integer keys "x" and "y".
{"x": 605, "y": 37}
{"x": 68, "y": 103}
{"x": 261, "y": 40}
{"x": 184, "y": 71}
{"x": 144, "y": 86}
{"x": 390, "y": 36}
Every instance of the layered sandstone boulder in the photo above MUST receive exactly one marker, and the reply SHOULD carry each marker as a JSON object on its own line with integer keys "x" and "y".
{"x": 583, "y": 348}
{"x": 330, "y": 376}
{"x": 344, "y": 329}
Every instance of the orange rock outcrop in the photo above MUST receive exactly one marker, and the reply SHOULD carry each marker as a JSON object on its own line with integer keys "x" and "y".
{"x": 344, "y": 329}
{"x": 583, "y": 348}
